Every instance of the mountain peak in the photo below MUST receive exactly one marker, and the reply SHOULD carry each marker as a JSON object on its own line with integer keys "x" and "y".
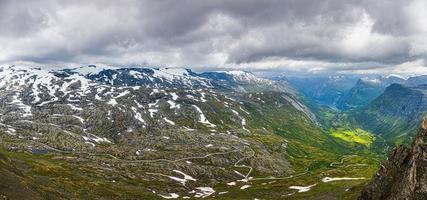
{"x": 90, "y": 69}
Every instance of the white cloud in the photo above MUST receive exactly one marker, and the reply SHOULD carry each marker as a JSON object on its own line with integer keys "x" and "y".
{"x": 305, "y": 36}
{"x": 412, "y": 67}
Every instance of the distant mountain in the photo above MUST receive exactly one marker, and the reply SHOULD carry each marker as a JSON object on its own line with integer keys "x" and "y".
{"x": 348, "y": 91}
{"x": 366, "y": 90}
{"x": 416, "y": 80}
{"x": 324, "y": 90}
{"x": 396, "y": 113}
{"x": 403, "y": 174}
{"x": 243, "y": 81}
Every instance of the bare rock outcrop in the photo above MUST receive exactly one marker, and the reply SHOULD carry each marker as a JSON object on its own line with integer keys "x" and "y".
{"x": 404, "y": 174}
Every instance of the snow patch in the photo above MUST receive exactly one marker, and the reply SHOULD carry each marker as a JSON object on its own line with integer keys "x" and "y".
{"x": 245, "y": 187}
{"x": 168, "y": 121}
{"x": 302, "y": 188}
{"x": 202, "y": 117}
{"x": 174, "y": 96}
{"x": 231, "y": 183}
{"x": 112, "y": 102}
{"x": 329, "y": 179}
{"x": 184, "y": 180}
{"x": 204, "y": 192}
{"x": 170, "y": 196}
{"x": 172, "y": 104}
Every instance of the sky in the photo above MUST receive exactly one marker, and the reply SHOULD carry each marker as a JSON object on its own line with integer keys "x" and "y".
{"x": 307, "y": 36}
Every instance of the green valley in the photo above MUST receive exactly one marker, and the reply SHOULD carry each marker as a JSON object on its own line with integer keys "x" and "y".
{"x": 358, "y": 135}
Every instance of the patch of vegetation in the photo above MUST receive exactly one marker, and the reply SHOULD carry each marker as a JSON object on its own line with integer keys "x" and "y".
{"x": 358, "y": 135}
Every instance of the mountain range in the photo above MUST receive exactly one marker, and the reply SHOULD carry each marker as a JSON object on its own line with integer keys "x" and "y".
{"x": 396, "y": 113}
{"x": 126, "y": 132}
{"x": 346, "y": 92}
{"x": 196, "y": 132}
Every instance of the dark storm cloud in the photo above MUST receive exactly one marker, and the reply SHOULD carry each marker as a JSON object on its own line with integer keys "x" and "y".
{"x": 251, "y": 34}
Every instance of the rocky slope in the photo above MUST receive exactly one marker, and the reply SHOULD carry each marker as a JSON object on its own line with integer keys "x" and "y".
{"x": 404, "y": 174}
{"x": 158, "y": 133}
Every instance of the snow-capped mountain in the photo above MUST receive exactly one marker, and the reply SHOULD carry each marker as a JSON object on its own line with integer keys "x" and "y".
{"x": 143, "y": 97}
{"x": 247, "y": 82}
{"x": 147, "y": 113}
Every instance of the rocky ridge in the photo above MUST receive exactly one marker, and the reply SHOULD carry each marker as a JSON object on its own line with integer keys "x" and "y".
{"x": 404, "y": 174}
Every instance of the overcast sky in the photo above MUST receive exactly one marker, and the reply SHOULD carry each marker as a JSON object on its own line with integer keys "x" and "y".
{"x": 387, "y": 36}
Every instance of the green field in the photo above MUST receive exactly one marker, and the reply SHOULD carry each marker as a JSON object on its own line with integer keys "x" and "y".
{"x": 358, "y": 136}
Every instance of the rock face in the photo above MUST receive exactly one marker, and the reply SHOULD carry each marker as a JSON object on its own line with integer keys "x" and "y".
{"x": 404, "y": 174}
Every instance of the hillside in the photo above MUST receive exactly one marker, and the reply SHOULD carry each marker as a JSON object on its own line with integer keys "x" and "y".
{"x": 365, "y": 91}
{"x": 166, "y": 133}
{"x": 395, "y": 114}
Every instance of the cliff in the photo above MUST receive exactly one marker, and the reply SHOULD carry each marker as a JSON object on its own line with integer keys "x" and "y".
{"x": 404, "y": 174}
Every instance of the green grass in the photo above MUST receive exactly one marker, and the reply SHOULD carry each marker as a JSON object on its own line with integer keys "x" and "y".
{"x": 278, "y": 132}
{"x": 45, "y": 177}
{"x": 60, "y": 179}
{"x": 358, "y": 135}
{"x": 352, "y": 166}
